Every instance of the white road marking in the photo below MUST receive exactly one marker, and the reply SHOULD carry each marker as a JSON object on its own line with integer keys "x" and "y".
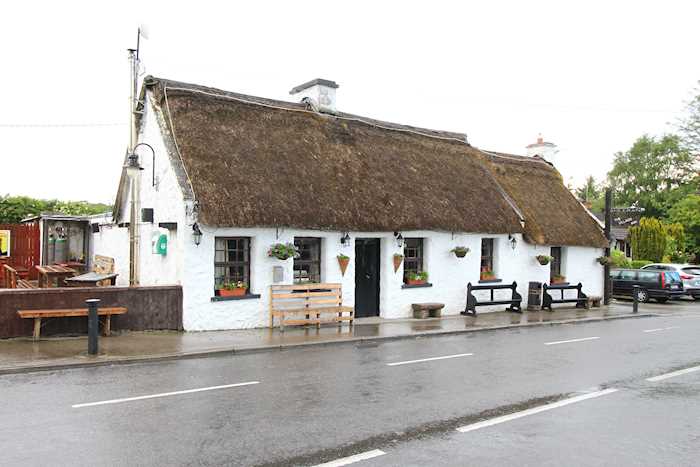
{"x": 534, "y": 410}
{"x": 673, "y": 373}
{"x": 571, "y": 340}
{"x": 660, "y": 329}
{"x": 430, "y": 359}
{"x": 163, "y": 394}
{"x": 352, "y": 459}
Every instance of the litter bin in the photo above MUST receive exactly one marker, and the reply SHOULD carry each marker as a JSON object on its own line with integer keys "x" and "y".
{"x": 534, "y": 296}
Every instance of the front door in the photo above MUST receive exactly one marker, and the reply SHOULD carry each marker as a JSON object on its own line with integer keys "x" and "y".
{"x": 366, "y": 277}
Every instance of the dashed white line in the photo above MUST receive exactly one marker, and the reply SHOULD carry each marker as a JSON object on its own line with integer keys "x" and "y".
{"x": 430, "y": 359}
{"x": 571, "y": 340}
{"x": 660, "y": 329}
{"x": 163, "y": 394}
{"x": 673, "y": 374}
{"x": 534, "y": 410}
{"x": 352, "y": 459}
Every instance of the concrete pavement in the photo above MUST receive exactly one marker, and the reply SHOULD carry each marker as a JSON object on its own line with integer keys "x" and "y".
{"x": 403, "y": 397}
{"x": 18, "y": 355}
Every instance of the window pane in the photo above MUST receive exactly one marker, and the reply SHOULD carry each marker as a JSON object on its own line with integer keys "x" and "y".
{"x": 413, "y": 257}
{"x": 307, "y": 268}
{"x": 487, "y": 254}
{"x": 232, "y": 260}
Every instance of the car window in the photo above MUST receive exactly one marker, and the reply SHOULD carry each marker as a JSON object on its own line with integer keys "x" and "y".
{"x": 648, "y": 276}
{"x": 615, "y": 274}
{"x": 650, "y": 266}
{"x": 694, "y": 271}
{"x": 628, "y": 275}
{"x": 672, "y": 277}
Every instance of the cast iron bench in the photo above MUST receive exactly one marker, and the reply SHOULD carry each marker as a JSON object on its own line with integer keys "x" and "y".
{"x": 306, "y": 303}
{"x": 515, "y": 300}
{"x": 581, "y": 299}
{"x": 107, "y": 312}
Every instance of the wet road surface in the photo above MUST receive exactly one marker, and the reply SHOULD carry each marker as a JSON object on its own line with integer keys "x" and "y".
{"x": 402, "y": 398}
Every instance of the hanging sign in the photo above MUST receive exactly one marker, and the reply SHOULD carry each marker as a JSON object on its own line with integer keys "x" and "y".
{"x": 4, "y": 243}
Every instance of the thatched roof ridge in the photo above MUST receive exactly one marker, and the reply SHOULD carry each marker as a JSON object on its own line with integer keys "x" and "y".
{"x": 255, "y": 162}
{"x": 553, "y": 216}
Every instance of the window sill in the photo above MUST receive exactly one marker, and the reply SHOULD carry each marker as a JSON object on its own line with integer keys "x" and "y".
{"x": 249, "y": 296}
{"x": 490, "y": 281}
{"x": 416, "y": 286}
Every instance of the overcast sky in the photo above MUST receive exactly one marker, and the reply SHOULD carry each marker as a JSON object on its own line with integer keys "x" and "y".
{"x": 590, "y": 76}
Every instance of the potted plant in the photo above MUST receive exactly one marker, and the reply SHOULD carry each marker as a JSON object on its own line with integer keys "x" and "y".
{"x": 604, "y": 260}
{"x": 460, "y": 251}
{"x": 486, "y": 274}
{"x": 558, "y": 279}
{"x": 233, "y": 289}
{"x": 416, "y": 278}
{"x": 283, "y": 251}
{"x": 543, "y": 259}
{"x": 343, "y": 261}
{"x": 398, "y": 259}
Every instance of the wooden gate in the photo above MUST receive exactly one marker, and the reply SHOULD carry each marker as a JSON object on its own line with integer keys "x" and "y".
{"x": 25, "y": 247}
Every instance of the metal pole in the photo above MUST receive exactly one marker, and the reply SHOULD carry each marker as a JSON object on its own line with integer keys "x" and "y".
{"x": 635, "y": 298}
{"x": 607, "y": 289}
{"x": 93, "y": 325}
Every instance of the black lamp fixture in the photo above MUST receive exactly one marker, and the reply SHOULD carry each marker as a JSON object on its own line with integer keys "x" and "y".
{"x": 196, "y": 234}
{"x": 513, "y": 241}
{"x": 399, "y": 239}
{"x": 345, "y": 239}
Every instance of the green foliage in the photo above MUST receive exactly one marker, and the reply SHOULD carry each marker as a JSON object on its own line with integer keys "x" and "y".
{"x": 648, "y": 240}
{"x": 619, "y": 260}
{"x": 638, "y": 263}
{"x": 690, "y": 124}
{"x": 654, "y": 174}
{"x": 687, "y": 213}
{"x": 589, "y": 191}
{"x": 15, "y": 208}
{"x": 283, "y": 251}
{"x": 676, "y": 243}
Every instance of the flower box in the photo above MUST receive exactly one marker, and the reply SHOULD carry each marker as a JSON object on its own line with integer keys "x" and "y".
{"x": 415, "y": 281}
{"x": 237, "y": 292}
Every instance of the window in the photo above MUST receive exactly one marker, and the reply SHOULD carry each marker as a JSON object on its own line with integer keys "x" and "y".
{"x": 555, "y": 264}
{"x": 487, "y": 255}
{"x": 412, "y": 257}
{"x": 307, "y": 267}
{"x": 232, "y": 260}
{"x": 648, "y": 276}
{"x": 628, "y": 275}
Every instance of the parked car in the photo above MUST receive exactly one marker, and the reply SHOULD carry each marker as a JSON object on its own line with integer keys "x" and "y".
{"x": 690, "y": 275}
{"x": 657, "y": 284}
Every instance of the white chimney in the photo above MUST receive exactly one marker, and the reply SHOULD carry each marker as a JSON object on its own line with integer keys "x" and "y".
{"x": 543, "y": 149}
{"x": 318, "y": 93}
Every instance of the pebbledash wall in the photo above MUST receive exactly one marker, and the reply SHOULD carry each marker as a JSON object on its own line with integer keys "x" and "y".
{"x": 448, "y": 274}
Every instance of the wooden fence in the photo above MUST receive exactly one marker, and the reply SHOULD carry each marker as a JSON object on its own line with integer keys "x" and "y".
{"x": 25, "y": 247}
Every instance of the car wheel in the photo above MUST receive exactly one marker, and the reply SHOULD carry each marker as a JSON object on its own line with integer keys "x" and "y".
{"x": 662, "y": 300}
{"x": 642, "y": 296}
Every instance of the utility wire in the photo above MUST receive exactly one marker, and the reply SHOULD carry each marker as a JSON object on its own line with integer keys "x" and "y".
{"x": 59, "y": 125}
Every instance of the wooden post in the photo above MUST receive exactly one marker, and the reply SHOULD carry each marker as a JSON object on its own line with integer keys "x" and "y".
{"x": 607, "y": 292}
{"x": 37, "y": 328}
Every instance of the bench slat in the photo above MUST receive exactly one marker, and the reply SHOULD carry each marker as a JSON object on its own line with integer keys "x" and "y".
{"x": 69, "y": 312}
{"x": 311, "y": 311}
{"x": 310, "y": 286}
{"x": 279, "y": 296}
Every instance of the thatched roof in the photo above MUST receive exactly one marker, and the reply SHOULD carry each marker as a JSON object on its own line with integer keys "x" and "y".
{"x": 254, "y": 162}
{"x": 553, "y": 216}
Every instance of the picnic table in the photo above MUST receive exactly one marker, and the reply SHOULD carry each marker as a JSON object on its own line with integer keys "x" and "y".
{"x": 91, "y": 279}
{"x": 50, "y": 273}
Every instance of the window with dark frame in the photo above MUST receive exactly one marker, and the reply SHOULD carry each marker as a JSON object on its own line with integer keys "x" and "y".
{"x": 555, "y": 264}
{"x": 412, "y": 257}
{"x": 231, "y": 261}
{"x": 307, "y": 267}
{"x": 487, "y": 255}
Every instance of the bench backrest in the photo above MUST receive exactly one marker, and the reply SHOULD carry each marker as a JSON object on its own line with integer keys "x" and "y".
{"x": 10, "y": 277}
{"x": 309, "y": 296}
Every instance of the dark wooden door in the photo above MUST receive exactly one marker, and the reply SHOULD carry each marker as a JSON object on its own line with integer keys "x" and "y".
{"x": 366, "y": 277}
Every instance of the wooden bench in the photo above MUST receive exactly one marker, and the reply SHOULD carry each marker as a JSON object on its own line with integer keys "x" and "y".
{"x": 515, "y": 300}
{"x": 38, "y": 315}
{"x": 581, "y": 299}
{"x": 306, "y": 303}
{"x": 13, "y": 280}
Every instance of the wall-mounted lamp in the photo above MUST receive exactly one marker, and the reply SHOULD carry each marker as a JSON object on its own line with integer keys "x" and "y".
{"x": 399, "y": 239}
{"x": 513, "y": 241}
{"x": 345, "y": 239}
{"x": 196, "y": 234}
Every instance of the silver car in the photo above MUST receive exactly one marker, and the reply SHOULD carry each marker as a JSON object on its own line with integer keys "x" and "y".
{"x": 690, "y": 275}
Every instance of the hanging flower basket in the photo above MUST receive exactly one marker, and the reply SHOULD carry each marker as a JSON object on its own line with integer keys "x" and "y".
{"x": 604, "y": 260}
{"x": 398, "y": 259}
{"x": 283, "y": 251}
{"x": 460, "y": 251}
{"x": 543, "y": 259}
{"x": 343, "y": 261}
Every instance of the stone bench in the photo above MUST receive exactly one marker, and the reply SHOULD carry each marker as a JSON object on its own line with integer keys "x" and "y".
{"x": 423, "y": 310}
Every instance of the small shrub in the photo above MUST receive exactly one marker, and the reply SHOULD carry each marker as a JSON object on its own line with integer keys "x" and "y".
{"x": 638, "y": 263}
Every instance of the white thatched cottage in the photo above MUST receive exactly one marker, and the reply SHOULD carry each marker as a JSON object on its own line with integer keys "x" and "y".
{"x": 232, "y": 175}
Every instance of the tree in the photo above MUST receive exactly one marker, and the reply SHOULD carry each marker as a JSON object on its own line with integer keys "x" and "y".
{"x": 15, "y": 208}
{"x": 589, "y": 191}
{"x": 675, "y": 243}
{"x": 653, "y": 174}
{"x": 648, "y": 240}
{"x": 687, "y": 213}
{"x": 689, "y": 125}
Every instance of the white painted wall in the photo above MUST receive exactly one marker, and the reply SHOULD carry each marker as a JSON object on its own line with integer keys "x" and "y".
{"x": 112, "y": 241}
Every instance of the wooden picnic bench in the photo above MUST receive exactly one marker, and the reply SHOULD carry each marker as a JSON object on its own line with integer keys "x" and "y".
{"x": 13, "y": 279}
{"x": 38, "y": 315}
{"x": 50, "y": 273}
{"x": 306, "y": 303}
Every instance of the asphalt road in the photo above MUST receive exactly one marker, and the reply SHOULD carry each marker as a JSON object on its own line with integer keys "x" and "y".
{"x": 404, "y": 399}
